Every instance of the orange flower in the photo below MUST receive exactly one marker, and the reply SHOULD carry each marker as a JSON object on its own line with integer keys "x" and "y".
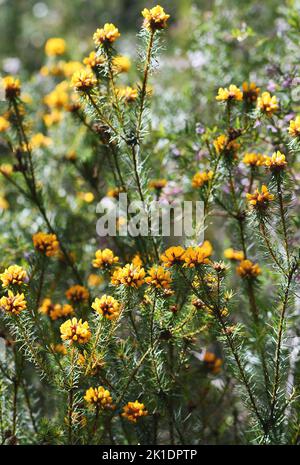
{"x": 198, "y": 255}
{"x": 260, "y": 199}
{"x": 248, "y": 269}
{"x": 159, "y": 277}
{"x": 132, "y": 411}
{"x": 46, "y": 243}
{"x": 155, "y": 18}
{"x": 77, "y": 293}
{"x": 173, "y": 255}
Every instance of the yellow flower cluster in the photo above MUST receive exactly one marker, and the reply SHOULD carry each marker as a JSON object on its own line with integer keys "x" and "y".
{"x": 99, "y": 396}
{"x": 104, "y": 259}
{"x": 276, "y": 162}
{"x": 254, "y": 159}
{"x": 107, "y": 306}
{"x": 294, "y": 128}
{"x": 132, "y": 411}
{"x": 233, "y": 93}
{"x": 260, "y": 199}
{"x": 13, "y": 303}
{"x": 235, "y": 255}
{"x": 4, "y": 124}
{"x": 198, "y": 255}
{"x": 55, "y": 311}
{"x": 267, "y": 104}
{"x": 250, "y": 92}
{"x": 159, "y": 277}
{"x": 223, "y": 144}
{"x": 106, "y": 35}
{"x": 12, "y": 87}
{"x": 129, "y": 275}
{"x": 173, "y": 255}
{"x": 248, "y": 269}
{"x": 127, "y": 93}
{"x": 75, "y": 331}
{"x": 212, "y": 362}
{"x": 201, "y": 178}
{"x": 77, "y": 293}
{"x": 155, "y": 18}
{"x": 157, "y": 184}
{"x": 94, "y": 60}
{"x": 83, "y": 80}
{"x": 39, "y": 140}
{"x": 46, "y": 243}
{"x": 55, "y": 46}
{"x": 121, "y": 64}
{"x": 13, "y": 275}
{"x": 190, "y": 257}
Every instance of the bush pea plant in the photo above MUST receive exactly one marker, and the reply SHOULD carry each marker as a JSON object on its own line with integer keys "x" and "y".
{"x": 148, "y": 339}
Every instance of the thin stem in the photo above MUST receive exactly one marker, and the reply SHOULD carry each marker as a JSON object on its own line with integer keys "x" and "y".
{"x": 282, "y": 215}
{"x": 144, "y": 84}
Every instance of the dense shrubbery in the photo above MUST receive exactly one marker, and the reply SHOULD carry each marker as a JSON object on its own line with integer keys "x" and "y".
{"x": 126, "y": 340}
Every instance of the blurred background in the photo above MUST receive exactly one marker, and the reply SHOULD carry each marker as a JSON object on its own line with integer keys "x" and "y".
{"x": 26, "y": 24}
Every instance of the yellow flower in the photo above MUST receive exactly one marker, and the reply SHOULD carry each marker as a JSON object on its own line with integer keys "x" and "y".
{"x": 94, "y": 60}
{"x": 94, "y": 280}
{"x": 159, "y": 277}
{"x": 12, "y": 87}
{"x": 201, "y": 178}
{"x": 15, "y": 275}
{"x": 87, "y": 197}
{"x": 106, "y": 35}
{"x": 260, "y": 199}
{"x": 52, "y": 118}
{"x": 114, "y": 192}
{"x": 58, "y": 98}
{"x": 4, "y": 124}
{"x": 77, "y": 293}
{"x": 13, "y": 304}
{"x": 233, "y": 93}
{"x": 59, "y": 349}
{"x": 75, "y": 331}
{"x": 134, "y": 410}
{"x": 173, "y": 255}
{"x": 223, "y": 144}
{"x": 121, "y": 64}
{"x": 70, "y": 67}
{"x": 130, "y": 276}
{"x": 4, "y": 205}
{"x": 39, "y": 140}
{"x": 55, "y": 311}
{"x": 250, "y": 92}
{"x": 294, "y": 129}
{"x": 248, "y": 269}
{"x": 157, "y": 184}
{"x": 212, "y": 362}
{"x": 55, "y": 46}
{"x": 104, "y": 259}
{"x": 107, "y": 306}
{"x": 254, "y": 159}
{"x": 46, "y": 243}
{"x": 155, "y": 18}
{"x": 137, "y": 261}
{"x": 232, "y": 254}
{"x": 198, "y": 255}
{"x": 6, "y": 169}
{"x": 83, "y": 80}
{"x": 267, "y": 104}
{"x": 276, "y": 162}
{"x": 99, "y": 396}
{"x": 127, "y": 93}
